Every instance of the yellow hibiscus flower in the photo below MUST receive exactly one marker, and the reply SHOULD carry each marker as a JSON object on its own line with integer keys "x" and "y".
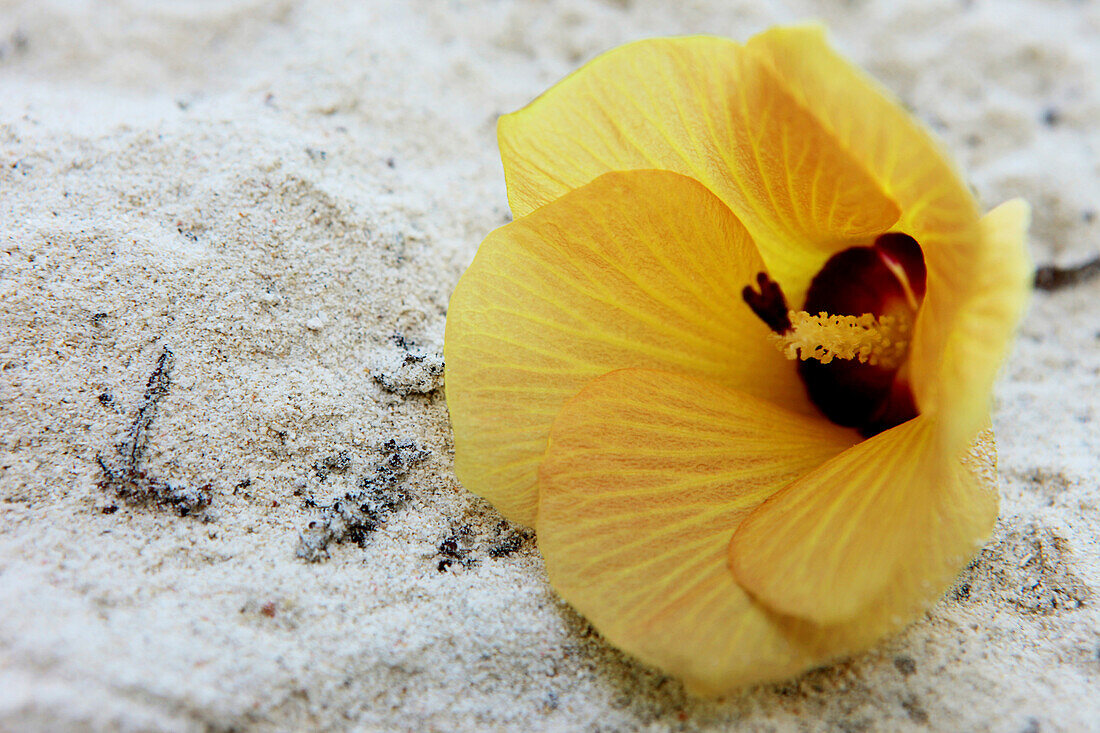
{"x": 618, "y": 357}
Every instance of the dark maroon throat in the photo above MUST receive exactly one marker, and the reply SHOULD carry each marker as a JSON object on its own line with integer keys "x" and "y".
{"x": 887, "y": 278}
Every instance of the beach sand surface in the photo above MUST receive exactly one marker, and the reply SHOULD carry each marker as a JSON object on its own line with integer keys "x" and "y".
{"x": 228, "y": 234}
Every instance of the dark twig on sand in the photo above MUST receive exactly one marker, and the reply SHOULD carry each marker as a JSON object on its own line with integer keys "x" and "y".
{"x": 127, "y": 479}
{"x": 1052, "y": 277}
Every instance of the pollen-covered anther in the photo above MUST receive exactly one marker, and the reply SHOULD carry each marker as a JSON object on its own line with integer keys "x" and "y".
{"x": 881, "y": 341}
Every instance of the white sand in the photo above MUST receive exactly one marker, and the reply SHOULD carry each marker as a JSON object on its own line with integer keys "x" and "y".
{"x": 272, "y": 190}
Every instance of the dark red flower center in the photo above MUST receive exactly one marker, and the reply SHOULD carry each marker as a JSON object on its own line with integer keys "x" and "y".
{"x": 852, "y": 335}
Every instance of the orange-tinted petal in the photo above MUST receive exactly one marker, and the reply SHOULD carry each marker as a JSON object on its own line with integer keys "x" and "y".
{"x": 959, "y": 379}
{"x": 703, "y": 107}
{"x": 646, "y": 476}
{"x": 977, "y": 272}
{"x": 639, "y": 269}
{"x": 907, "y": 163}
{"x": 885, "y": 525}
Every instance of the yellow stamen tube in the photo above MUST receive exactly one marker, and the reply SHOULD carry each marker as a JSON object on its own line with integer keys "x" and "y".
{"x": 881, "y": 341}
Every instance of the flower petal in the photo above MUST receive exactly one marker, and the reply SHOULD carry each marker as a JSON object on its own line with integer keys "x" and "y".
{"x": 646, "y": 476}
{"x": 977, "y": 272}
{"x": 873, "y": 127}
{"x": 638, "y": 269}
{"x": 884, "y": 526}
{"x": 959, "y": 389}
{"x": 703, "y": 107}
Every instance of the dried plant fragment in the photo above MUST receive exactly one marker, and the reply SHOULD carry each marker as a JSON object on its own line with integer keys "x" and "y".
{"x": 357, "y": 514}
{"x": 127, "y": 478}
